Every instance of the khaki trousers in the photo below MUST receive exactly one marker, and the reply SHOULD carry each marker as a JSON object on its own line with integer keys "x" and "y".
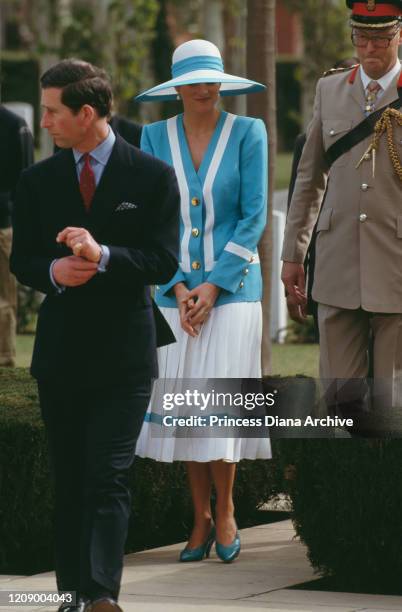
{"x": 8, "y": 302}
{"x": 344, "y": 343}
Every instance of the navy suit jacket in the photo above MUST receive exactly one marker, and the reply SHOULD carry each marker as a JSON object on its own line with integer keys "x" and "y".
{"x": 16, "y": 153}
{"x": 102, "y": 332}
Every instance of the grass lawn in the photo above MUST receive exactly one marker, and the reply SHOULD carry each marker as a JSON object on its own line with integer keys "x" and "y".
{"x": 24, "y": 350}
{"x": 282, "y": 170}
{"x": 287, "y": 359}
{"x": 292, "y": 359}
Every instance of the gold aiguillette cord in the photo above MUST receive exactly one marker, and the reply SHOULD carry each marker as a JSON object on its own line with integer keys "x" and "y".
{"x": 384, "y": 125}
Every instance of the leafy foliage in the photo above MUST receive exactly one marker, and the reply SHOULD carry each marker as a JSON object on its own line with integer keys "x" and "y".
{"x": 326, "y": 34}
{"x": 115, "y": 34}
{"x": 132, "y": 24}
{"x": 347, "y": 498}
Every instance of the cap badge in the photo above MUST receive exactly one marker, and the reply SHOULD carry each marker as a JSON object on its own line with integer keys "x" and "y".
{"x": 371, "y": 5}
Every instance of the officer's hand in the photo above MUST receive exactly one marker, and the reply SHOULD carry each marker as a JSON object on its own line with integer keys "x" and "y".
{"x": 73, "y": 271}
{"x": 294, "y": 280}
{"x": 296, "y": 312}
{"x": 181, "y": 293}
{"x": 204, "y": 297}
{"x": 81, "y": 243}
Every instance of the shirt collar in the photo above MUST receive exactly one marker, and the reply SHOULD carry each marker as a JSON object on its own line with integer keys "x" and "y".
{"x": 385, "y": 81}
{"x": 102, "y": 152}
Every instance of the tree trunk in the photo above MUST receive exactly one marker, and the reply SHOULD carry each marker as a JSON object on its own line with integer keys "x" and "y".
{"x": 261, "y": 67}
{"x": 234, "y": 26}
{"x": 49, "y": 17}
{"x": 212, "y": 22}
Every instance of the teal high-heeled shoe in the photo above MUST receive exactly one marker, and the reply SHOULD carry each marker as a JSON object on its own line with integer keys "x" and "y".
{"x": 227, "y": 554}
{"x": 197, "y": 554}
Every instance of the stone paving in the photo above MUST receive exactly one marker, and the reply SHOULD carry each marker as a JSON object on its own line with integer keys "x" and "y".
{"x": 271, "y": 561}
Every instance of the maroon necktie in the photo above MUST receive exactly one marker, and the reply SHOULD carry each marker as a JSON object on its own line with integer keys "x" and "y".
{"x": 87, "y": 182}
{"x": 372, "y": 91}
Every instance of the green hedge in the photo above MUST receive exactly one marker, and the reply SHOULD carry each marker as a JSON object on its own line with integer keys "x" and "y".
{"x": 161, "y": 505}
{"x": 347, "y": 502}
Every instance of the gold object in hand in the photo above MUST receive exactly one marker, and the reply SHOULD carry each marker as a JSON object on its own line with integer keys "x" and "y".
{"x": 77, "y": 249}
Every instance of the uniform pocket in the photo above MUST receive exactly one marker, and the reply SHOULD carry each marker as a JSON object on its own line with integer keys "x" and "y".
{"x": 333, "y": 130}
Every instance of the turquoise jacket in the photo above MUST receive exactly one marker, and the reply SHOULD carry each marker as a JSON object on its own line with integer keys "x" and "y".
{"x": 223, "y": 205}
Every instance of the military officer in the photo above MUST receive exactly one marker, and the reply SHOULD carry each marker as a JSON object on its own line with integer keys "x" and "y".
{"x": 352, "y": 153}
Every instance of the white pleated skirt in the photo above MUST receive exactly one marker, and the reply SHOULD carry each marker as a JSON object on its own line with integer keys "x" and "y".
{"x": 228, "y": 346}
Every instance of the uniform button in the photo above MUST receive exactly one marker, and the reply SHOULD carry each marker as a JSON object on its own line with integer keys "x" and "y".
{"x": 157, "y": 287}
{"x": 195, "y": 232}
{"x": 196, "y": 265}
{"x": 362, "y": 217}
{"x": 195, "y": 201}
{"x": 241, "y": 285}
{"x": 332, "y": 133}
{"x": 245, "y": 271}
{"x": 365, "y": 187}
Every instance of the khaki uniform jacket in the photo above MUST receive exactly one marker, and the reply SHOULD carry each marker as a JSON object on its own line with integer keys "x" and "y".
{"x": 359, "y": 241}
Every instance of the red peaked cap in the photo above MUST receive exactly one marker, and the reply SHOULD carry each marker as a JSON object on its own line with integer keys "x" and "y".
{"x": 375, "y": 13}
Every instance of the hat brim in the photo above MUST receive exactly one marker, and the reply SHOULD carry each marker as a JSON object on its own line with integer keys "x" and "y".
{"x": 358, "y": 22}
{"x": 230, "y": 85}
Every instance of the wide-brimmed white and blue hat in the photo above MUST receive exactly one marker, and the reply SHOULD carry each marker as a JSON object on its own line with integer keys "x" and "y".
{"x": 199, "y": 61}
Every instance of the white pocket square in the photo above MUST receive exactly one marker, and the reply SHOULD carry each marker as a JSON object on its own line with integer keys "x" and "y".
{"x": 126, "y": 206}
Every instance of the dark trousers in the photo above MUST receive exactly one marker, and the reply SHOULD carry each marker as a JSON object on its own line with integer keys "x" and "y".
{"x": 92, "y": 435}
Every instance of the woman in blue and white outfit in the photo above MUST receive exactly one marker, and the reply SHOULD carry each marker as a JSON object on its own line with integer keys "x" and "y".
{"x": 213, "y": 303}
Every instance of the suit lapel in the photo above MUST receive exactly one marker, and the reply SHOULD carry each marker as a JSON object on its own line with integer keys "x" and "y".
{"x": 69, "y": 200}
{"x": 357, "y": 93}
{"x": 110, "y": 189}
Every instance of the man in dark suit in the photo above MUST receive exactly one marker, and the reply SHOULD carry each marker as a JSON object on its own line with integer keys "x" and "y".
{"x": 94, "y": 225}
{"x": 16, "y": 153}
{"x": 128, "y": 129}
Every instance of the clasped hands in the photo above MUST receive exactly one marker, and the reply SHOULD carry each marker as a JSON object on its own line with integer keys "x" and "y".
{"x": 79, "y": 268}
{"x": 195, "y": 305}
{"x": 293, "y": 278}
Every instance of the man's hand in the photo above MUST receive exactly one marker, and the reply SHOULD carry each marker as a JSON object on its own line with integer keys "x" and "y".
{"x": 203, "y": 299}
{"x": 181, "y": 293}
{"x": 297, "y": 312}
{"x": 294, "y": 280}
{"x": 81, "y": 243}
{"x": 73, "y": 271}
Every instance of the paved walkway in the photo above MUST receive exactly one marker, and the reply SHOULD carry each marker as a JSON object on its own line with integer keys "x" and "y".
{"x": 271, "y": 561}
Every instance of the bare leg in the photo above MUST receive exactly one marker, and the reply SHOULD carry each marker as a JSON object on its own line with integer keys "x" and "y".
{"x": 200, "y": 480}
{"x": 223, "y": 475}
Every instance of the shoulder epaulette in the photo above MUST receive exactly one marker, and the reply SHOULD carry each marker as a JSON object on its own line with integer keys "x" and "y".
{"x": 338, "y": 70}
